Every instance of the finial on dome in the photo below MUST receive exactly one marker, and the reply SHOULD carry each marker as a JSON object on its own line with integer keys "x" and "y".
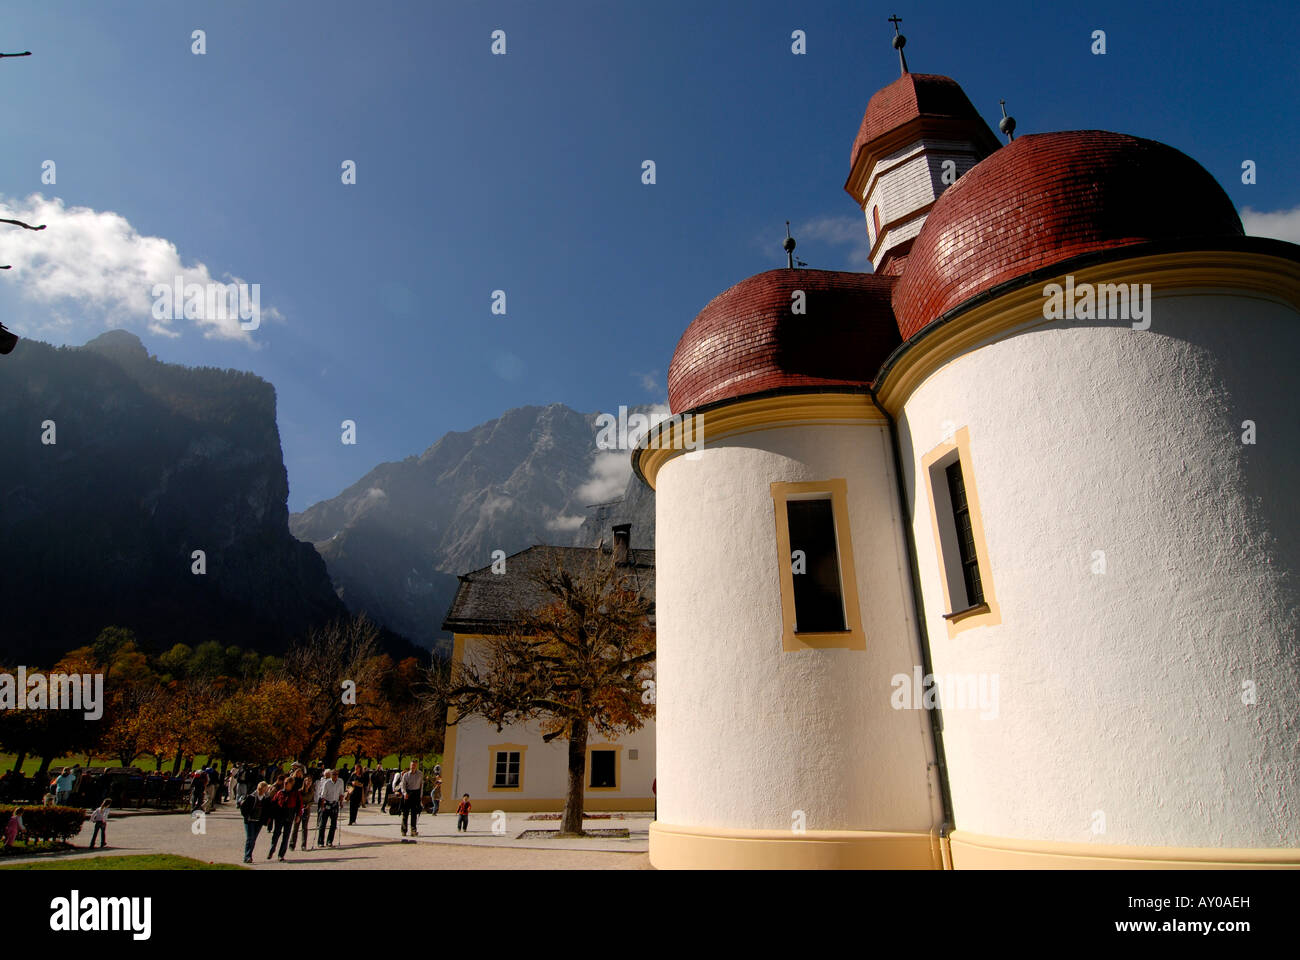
{"x": 899, "y": 42}
{"x": 1007, "y": 124}
{"x": 789, "y": 246}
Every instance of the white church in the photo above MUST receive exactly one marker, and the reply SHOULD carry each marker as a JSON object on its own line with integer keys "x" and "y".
{"x": 988, "y": 558}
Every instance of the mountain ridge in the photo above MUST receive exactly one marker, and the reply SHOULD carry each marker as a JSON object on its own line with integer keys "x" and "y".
{"x": 396, "y": 540}
{"x": 119, "y": 467}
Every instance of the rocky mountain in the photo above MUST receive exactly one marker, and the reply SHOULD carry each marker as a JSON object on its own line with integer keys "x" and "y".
{"x": 396, "y": 540}
{"x": 116, "y": 469}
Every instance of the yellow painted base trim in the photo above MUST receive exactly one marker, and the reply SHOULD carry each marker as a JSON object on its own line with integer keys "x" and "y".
{"x": 717, "y": 848}
{"x": 975, "y": 852}
{"x": 487, "y": 802}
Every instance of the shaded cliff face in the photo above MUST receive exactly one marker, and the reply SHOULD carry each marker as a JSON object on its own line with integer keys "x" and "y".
{"x": 396, "y": 540}
{"x": 150, "y": 462}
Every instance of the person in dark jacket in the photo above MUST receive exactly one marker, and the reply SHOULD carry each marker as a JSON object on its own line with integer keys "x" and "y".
{"x": 287, "y": 804}
{"x": 309, "y": 802}
{"x": 252, "y": 808}
{"x": 356, "y": 794}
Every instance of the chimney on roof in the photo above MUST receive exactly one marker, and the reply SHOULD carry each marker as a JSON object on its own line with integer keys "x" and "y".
{"x": 622, "y": 543}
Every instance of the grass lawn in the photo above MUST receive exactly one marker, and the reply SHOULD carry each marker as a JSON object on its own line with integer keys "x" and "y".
{"x": 150, "y": 861}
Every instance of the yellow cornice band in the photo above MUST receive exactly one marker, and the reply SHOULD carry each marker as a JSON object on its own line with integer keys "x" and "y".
{"x": 745, "y": 416}
{"x": 1275, "y": 277}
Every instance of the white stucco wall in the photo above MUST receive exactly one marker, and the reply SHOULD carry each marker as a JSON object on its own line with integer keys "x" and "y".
{"x": 748, "y": 734}
{"x": 546, "y": 765}
{"x": 1122, "y": 692}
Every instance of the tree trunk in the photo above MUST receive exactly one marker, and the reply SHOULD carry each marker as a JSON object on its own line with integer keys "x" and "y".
{"x": 332, "y": 746}
{"x": 22, "y": 758}
{"x": 44, "y": 769}
{"x": 176, "y": 764}
{"x": 571, "y": 825}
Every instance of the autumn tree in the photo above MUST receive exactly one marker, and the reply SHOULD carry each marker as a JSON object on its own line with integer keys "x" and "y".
{"x": 575, "y": 664}
{"x": 127, "y": 724}
{"x": 338, "y": 672}
{"x": 182, "y": 728}
{"x": 131, "y": 688}
{"x": 49, "y": 733}
{"x": 264, "y": 722}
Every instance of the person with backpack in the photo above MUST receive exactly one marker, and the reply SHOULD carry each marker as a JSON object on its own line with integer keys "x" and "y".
{"x": 250, "y": 807}
{"x": 245, "y": 782}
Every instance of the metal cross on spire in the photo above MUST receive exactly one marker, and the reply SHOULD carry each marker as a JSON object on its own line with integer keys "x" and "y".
{"x": 899, "y": 42}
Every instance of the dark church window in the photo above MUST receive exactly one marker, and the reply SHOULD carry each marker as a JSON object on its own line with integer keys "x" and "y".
{"x": 818, "y": 598}
{"x": 970, "y": 567}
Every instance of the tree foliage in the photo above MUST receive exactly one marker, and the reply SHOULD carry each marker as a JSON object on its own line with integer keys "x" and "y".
{"x": 576, "y": 664}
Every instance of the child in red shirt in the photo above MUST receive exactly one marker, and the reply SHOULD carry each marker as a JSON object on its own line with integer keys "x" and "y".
{"x": 462, "y": 811}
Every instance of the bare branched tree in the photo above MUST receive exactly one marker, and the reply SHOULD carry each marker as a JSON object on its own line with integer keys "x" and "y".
{"x": 337, "y": 669}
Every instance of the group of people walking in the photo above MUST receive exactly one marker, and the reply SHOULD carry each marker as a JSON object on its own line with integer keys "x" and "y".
{"x": 284, "y": 808}
{"x": 283, "y": 804}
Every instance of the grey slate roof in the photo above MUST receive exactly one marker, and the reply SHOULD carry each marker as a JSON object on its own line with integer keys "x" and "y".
{"x": 489, "y": 603}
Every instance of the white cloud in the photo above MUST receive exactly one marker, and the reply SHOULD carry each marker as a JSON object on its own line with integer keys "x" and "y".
{"x": 96, "y": 260}
{"x": 847, "y": 232}
{"x": 492, "y": 505}
{"x": 657, "y": 412}
{"x": 649, "y": 381}
{"x": 610, "y": 472}
{"x": 565, "y": 523}
{"x": 612, "y": 469}
{"x": 1279, "y": 224}
{"x": 842, "y": 230}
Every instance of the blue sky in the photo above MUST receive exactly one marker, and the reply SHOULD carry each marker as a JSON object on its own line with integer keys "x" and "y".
{"x": 523, "y": 173}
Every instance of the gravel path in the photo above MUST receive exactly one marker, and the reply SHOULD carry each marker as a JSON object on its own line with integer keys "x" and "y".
{"x": 222, "y": 841}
